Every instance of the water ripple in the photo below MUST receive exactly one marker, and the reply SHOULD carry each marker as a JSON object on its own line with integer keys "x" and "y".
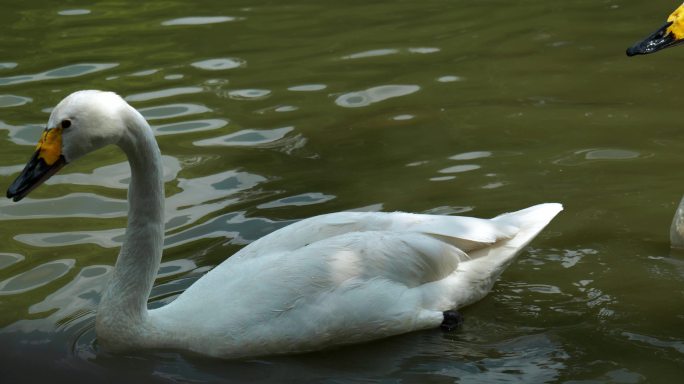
{"x": 7, "y": 259}
{"x": 677, "y": 345}
{"x": 172, "y": 110}
{"x": 568, "y": 258}
{"x": 198, "y": 198}
{"x": 58, "y": 73}
{"x": 144, "y": 72}
{"x": 526, "y": 359}
{"x": 374, "y": 95}
{"x": 219, "y": 64}
{"x": 460, "y": 168}
{"x": 249, "y": 94}
{"x": 307, "y": 88}
{"x": 298, "y": 200}
{"x": 74, "y": 12}
{"x": 27, "y": 134}
{"x": 7, "y": 65}
{"x": 189, "y": 126}
{"x": 36, "y": 277}
{"x": 115, "y": 175}
{"x": 11, "y": 170}
{"x": 471, "y": 155}
{"x": 163, "y": 93}
{"x": 389, "y": 51}
{"x": 175, "y": 267}
{"x": 371, "y": 53}
{"x": 103, "y": 238}
{"x": 199, "y": 20}
{"x": 82, "y": 292}
{"x": 72, "y": 205}
{"x": 587, "y": 156}
{"x": 13, "y": 101}
{"x": 247, "y": 138}
{"x": 449, "y": 79}
{"x": 234, "y": 226}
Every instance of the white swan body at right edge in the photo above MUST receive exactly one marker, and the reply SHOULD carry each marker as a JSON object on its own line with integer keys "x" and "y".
{"x": 343, "y": 278}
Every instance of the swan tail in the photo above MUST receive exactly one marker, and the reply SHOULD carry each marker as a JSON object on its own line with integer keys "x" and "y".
{"x": 530, "y": 221}
{"x": 474, "y": 278}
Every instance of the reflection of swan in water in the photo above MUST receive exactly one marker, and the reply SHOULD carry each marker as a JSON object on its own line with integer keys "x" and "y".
{"x": 329, "y": 280}
{"x": 670, "y": 34}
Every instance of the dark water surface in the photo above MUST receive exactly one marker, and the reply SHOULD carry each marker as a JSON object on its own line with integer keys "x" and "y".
{"x": 268, "y": 112}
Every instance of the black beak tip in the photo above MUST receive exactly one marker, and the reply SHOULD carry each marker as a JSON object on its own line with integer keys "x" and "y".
{"x": 33, "y": 175}
{"x": 14, "y": 194}
{"x": 657, "y": 41}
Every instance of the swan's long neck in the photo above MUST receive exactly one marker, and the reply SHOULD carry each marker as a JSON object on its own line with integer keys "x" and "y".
{"x": 123, "y": 309}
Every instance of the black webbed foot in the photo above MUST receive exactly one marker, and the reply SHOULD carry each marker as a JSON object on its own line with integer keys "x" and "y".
{"x": 452, "y": 320}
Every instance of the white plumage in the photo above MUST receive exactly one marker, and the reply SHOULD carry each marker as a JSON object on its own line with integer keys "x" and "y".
{"x": 329, "y": 280}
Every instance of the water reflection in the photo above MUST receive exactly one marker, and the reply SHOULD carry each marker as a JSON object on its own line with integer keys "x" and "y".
{"x": 36, "y": 277}
{"x": 114, "y": 176}
{"x": 373, "y": 95}
{"x": 449, "y": 79}
{"x": 677, "y": 345}
{"x": 199, "y": 20}
{"x": 198, "y": 197}
{"x": 235, "y": 227}
{"x": 172, "y": 110}
{"x": 204, "y": 195}
{"x": 247, "y": 137}
{"x": 7, "y": 101}
{"x": 73, "y": 70}
{"x": 189, "y": 126}
{"x": 587, "y": 156}
{"x": 74, "y": 12}
{"x": 8, "y": 259}
{"x": 307, "y": 88}
{"x": 23, "y": 135}
{"x": 162, "y": 93}
{"x": 81, "y": 293}
{"x": 471, "y": 155}
{"x": 219, "y": 64}
{"x": 102, "y": 238}
{"x": 403, "y": 117}
{"x": 249, "y": 94}
{"x": 72, "y": 205}
{"x": 299, "y": 200}
{"x": 146, "y": 72}
{"x": 389, "y": 51}
{"x": 460, "y": 168}
{"x": 526, "y": 359}
{"x": 567, "y": 258}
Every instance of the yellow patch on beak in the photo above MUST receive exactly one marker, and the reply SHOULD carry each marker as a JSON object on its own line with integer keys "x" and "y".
{"x": 677, "y": 20}
{"x": 50, "y": 145}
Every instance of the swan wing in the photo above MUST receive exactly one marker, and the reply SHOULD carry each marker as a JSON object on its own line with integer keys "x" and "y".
{"x": 343, "y": 289}
{"x": 466, "y": 233}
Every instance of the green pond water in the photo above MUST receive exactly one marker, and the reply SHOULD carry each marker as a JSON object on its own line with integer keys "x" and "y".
{"x": 268, "y": 112}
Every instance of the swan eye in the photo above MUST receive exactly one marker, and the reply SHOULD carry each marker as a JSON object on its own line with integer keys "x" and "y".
{"x": 66, "y": 124}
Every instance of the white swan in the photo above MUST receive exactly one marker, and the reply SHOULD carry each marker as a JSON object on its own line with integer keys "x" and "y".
{"x": 669, "y": 35}
{"x": 329, "y": 280}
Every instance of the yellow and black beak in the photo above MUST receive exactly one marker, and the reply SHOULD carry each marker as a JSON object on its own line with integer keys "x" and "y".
{"x": 669, "y": 35}
{"x": 45, "y": 162}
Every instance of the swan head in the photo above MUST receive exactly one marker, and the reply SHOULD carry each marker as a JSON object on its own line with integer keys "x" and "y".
{"x": 81, "y": 123}
{"x": 669, "y": 35}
